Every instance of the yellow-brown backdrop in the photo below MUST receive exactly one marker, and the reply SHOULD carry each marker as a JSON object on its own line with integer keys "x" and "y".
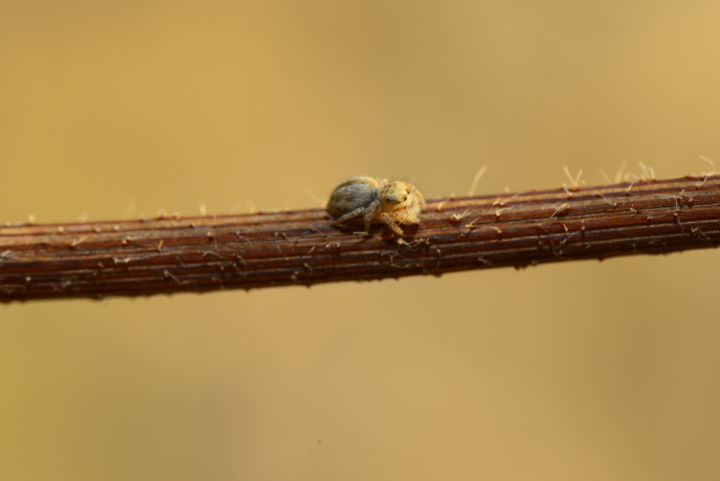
{"x": 563, "y": 372}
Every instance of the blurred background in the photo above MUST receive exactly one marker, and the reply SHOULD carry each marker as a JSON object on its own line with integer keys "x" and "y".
{"x": 583, "y": 370}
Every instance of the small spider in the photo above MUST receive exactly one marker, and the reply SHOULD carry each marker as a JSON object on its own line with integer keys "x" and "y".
{"x": 390, "y": 203}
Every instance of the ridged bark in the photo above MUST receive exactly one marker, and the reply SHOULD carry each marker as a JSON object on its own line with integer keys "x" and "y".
{"x": 302, "y": 247}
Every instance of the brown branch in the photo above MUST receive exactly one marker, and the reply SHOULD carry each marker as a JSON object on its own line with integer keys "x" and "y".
{"x": 166, "y": 255}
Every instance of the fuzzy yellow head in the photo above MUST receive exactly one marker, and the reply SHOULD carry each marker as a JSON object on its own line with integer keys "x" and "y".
{"x": 395, "y": 193}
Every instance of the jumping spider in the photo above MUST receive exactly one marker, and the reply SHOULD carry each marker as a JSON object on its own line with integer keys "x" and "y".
{"x": 390, "y": 203}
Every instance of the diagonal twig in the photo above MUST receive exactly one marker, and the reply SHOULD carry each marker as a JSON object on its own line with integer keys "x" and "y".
{"x": 302, "y": 247}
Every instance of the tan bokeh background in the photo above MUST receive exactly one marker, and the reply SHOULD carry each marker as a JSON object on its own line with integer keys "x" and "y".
{"x": 572, "y": 371}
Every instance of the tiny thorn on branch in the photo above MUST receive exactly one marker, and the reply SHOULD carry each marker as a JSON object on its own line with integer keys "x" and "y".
{"x": 303, "y": 247}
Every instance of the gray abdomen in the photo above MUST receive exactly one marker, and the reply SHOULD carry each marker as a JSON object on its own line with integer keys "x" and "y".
{"x": 350, "y": 196}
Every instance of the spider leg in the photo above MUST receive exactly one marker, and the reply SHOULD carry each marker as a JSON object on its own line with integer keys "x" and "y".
{"x": 349, "y": 215}
{"x": 385, "y": 217}
{"x": 370, "y": 214}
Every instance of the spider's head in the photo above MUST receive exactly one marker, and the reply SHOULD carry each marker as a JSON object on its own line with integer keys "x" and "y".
{"x": 395, "y": 193}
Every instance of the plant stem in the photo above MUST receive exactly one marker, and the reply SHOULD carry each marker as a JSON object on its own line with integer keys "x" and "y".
{"x": 302, "y": 247}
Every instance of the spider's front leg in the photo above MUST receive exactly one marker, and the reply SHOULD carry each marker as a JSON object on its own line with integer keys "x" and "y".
{"x": 387, "y": 219}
